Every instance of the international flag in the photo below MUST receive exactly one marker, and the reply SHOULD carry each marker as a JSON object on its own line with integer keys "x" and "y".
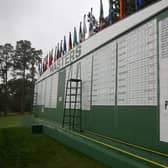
{"x": 50, "y": 57}
{"x": 43, "y": 65}
{"x": 80, "y": 33}
{"x": 90, "y": 22}
{"x": 65, "y": 46}
{"x": 138, "y": 4}
{"x": 55, "y": 54}
{"x": 75, "y": 41}
{"x": 61, "y": 50}
{"x": 70, "y": 42}
{"x": 58, "y": 53}
{"x": 101, "y": 17}
{"x": 40, "y": 69}
{"x": 46, "y": 62}
{"x": 122, "y": 9}
{"x": 84, "y": 27}
{"x": 111, "y": 12}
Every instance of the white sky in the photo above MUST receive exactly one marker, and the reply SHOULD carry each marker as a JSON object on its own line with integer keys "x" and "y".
{"x": 43, "y": 22}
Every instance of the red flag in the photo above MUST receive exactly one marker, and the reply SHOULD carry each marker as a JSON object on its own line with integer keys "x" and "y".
{"x": 122, "y": 9}
{"x": 51, "y": 57}
{"x": 46, "y": 62}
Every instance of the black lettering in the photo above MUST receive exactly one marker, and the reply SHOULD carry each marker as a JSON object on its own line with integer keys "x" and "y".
{"x": 58, "y": 63}
{"x": 78, "y": 51}
{"x": 67, "y": 59}
{"x": 72, "y": 54}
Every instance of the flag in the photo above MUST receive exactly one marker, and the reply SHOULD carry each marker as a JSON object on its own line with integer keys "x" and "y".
{"x": 55, "y": 54}
{"x": 70, "y": 42}
{"x": 58, "y": 53}
{"x": 46, "y": 63}
{"x": 40, "y": 69}
{"x": 75, "y": 42}
{"x": 65, "y": 47}
{"x": 61, "y": 51}
{"x": 101, "y": 17}
{"x": 92, "y": 23}
{"x": 43, "y": 65}
{"x": 122, "y": 9}
{"x": 80, "y": 33}
{"x": 138, "y": 4}
{"x": 111, "y": 12}
{"x": 50, "y": 57}
{"x": 84, "y": 27}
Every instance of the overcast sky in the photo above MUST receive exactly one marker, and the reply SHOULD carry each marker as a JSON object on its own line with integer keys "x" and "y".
{"x": 43, "y": 22}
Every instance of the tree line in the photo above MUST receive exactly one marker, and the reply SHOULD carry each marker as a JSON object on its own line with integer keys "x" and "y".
{"x": 17, "y": 76}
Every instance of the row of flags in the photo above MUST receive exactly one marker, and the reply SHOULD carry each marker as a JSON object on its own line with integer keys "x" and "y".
{"x": 116, "y": 8}
{"x": 62, "y": 48}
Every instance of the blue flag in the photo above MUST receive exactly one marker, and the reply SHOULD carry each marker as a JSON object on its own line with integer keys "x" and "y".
{"x": 65, "y": 47}
{"x": 138, "y": 4}
{"x": 111, "y": 12}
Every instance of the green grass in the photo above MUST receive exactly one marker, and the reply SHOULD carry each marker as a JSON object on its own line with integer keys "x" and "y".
{"x": 10, "y": 121}
{"x": 19, "y": 148}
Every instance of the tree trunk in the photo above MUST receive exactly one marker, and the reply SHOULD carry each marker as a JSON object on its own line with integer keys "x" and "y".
{"x": 6, "y": 87}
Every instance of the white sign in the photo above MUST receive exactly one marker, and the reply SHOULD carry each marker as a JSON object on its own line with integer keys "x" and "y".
{"x": 104, "y": 75}
{"x": 137, "y": 66}
{"x": 163, "y": 58}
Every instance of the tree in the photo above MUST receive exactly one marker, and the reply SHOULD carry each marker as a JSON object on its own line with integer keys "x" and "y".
{"x": 6, "y": 53}
{"x": 15, "y": 92}
{"x": 24, "y": 66}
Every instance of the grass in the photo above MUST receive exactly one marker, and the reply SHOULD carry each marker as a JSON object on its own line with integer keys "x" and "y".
{"x": 19, "y": 148}
{"x": 10, "y": 121}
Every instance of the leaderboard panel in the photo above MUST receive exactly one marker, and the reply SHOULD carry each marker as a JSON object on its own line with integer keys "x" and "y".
{"x": 104, "y": 75}
{"x": 163, "y": 64}
{"x": 137, "y": 66}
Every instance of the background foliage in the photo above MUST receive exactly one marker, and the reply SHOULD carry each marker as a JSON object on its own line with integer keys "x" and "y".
{"x": 18, "y": 71}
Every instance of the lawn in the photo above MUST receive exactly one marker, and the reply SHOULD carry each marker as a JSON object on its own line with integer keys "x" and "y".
{"x": 10, "y": 121}
{"x": 19, "y": 148}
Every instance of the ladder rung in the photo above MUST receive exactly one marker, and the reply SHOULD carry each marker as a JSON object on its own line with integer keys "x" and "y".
{"x": 73, "y": 94}
{"x": 74, "y": 80}
{"x": 76, "y": 124}
{"x": 66, "y": 122}
{"x": 68, "y": 116}
{"x": 72, "y": 101}
{"x": 74, "y": 87}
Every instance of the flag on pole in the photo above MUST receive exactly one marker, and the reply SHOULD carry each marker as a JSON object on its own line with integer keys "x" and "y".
{"x": 40, "y": 68}
{"x": 84, "y": 27}
{"x": 46, "y": 62}
{"x": 111, "y": 12}
{"x": 75, "y": 42}
{"x": 90, "y": 19}
{"x": 55, "y": 54}
{"x": 58, "y": 53}
{"x": 101, "y": 17}
{"x": 138, "y": 4}
{"x": 93, "y": 24}
{"x": 70, "y": 42}
{"x": 80, "y": 33}
{"x": 61, "y": 51}
{"x": 50, "y": 57}
{"x": 65, "y": 47}
{"x": 122, "y": 9}
{"x": 43, "y": 65}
